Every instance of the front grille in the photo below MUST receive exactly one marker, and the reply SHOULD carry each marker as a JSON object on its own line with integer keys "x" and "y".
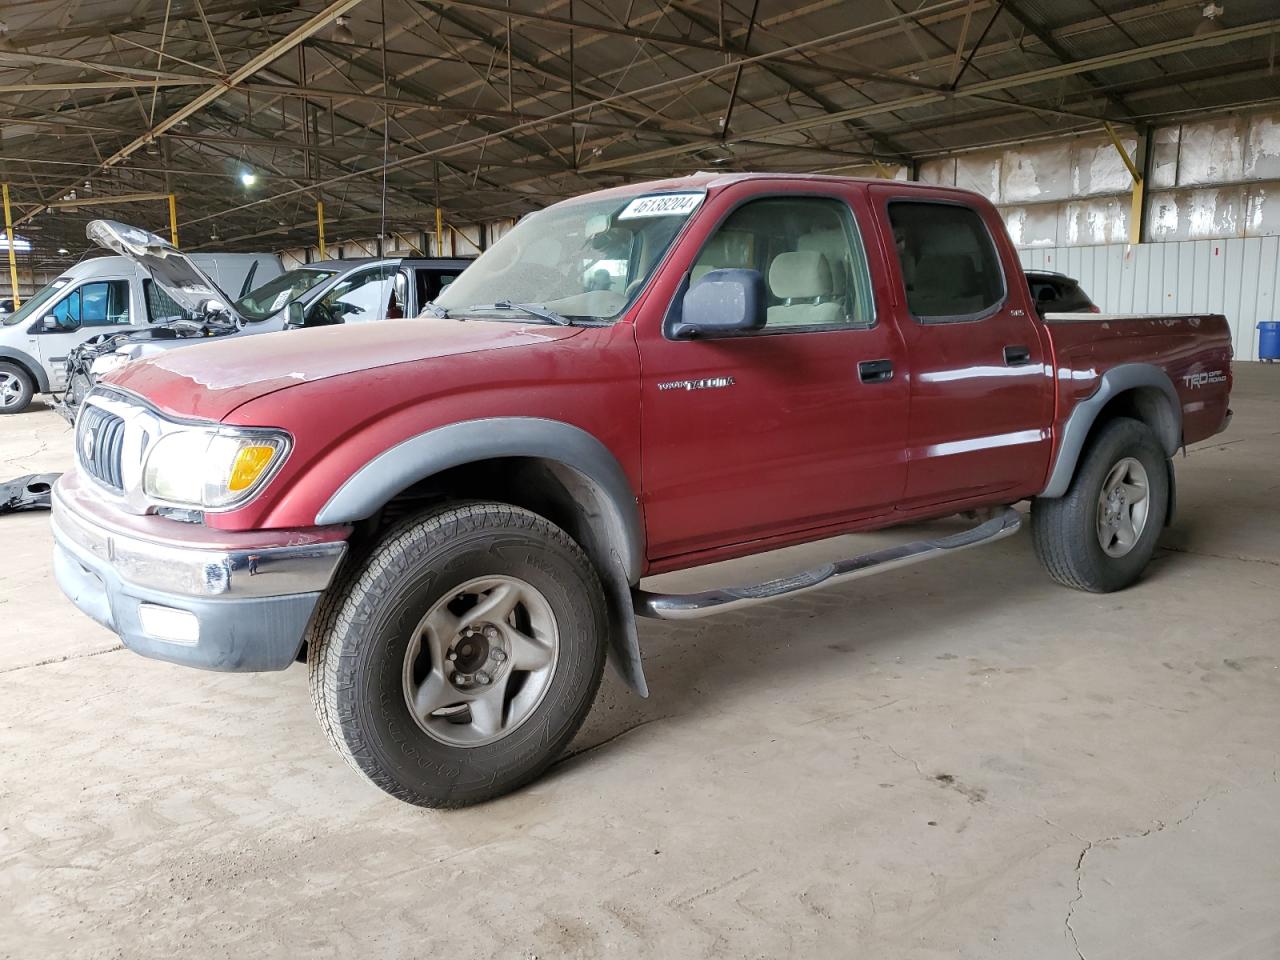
{"x": 100, "y": 445}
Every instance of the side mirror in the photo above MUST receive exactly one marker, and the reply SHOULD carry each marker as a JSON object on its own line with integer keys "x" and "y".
{"x": 295, "y": 314}
{"x": 723, "y": 303}
{"x": 49, "y": 324}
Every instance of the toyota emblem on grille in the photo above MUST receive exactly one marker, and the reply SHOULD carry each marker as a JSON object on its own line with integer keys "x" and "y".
{"x": 86, "y": 445}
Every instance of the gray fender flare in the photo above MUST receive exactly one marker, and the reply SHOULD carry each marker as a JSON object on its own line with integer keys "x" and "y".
{"x": 584, "y": 466}
{"x": 1117, "y": 380}
{"x": 32, "y": 365}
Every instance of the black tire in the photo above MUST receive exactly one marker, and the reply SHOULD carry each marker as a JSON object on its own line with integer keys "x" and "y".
{"x": 11, "y": 373}
{"x": 360, "y": 638}
{"x": 1064, "y": 530}
{"x": 77, "y": 390}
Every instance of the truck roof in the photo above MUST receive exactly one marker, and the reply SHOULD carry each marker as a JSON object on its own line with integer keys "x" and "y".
{"x": 349, "y": 262}
{"x": 712, "y": 180}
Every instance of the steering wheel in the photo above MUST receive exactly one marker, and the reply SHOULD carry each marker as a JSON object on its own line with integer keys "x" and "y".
{"x": 323, "y": 315}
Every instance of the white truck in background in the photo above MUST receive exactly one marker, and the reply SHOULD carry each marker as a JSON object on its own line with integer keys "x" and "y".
{"x": 103, "y": 295}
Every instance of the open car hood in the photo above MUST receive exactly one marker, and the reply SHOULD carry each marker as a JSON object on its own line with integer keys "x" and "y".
{"x": 189, "y": 286}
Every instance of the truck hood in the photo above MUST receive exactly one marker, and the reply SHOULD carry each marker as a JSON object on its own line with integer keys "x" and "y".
{"x": 209, "y": 380}
{"x": 189, "y": 286}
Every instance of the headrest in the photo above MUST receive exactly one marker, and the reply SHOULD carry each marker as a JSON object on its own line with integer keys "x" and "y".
{"x": 835, "y": 247}
{"x": 962, "y": 276}
{"x": 727, "y": 248}
{"x": 800, "y": 275}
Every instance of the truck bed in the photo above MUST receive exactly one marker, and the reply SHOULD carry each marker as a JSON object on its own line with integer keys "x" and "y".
{"x": 1193, "y": 349}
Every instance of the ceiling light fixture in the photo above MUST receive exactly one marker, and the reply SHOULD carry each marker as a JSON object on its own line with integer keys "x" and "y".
{"x": 341, "y": 32}
{"x": 63, "y": 251}
{"x": 1210, "y": 22}
{"x": 20, "y": 245}
{"x": 248, "y": 178}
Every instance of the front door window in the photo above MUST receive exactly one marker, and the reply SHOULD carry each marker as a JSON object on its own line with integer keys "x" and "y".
{"x": 360, "y": 298}
{"x": 101, "y": 304}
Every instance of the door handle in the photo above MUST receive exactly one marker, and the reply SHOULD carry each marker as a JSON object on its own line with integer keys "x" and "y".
{"x": 1017, "y": 356}
{"x": 875, "y": 371}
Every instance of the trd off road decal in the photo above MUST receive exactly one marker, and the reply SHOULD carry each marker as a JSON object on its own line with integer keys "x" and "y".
{"x": 1194, "y": 380}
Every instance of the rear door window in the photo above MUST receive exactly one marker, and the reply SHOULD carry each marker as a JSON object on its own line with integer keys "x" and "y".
{"x": 950, "y": 270}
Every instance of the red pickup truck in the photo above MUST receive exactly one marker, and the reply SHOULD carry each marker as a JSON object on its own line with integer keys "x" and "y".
{"x": 448, "y": 517}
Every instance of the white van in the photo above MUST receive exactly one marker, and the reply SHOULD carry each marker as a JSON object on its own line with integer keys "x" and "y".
{"x": 102, "y": 295}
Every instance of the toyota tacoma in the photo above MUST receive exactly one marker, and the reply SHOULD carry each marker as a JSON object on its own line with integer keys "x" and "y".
{"x": 448, "y": 518}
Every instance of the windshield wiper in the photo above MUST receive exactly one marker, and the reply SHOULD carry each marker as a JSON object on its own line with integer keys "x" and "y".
{"x": 542, "y": 313}
{"x": 439, "y": 312}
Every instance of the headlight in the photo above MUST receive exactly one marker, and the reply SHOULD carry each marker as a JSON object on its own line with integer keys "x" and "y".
{"x": 212, "y": 469}
{"x": 107, "y": 363}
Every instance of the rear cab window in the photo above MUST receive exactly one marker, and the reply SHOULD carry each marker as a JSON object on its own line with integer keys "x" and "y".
{"x": 950, "y": 269}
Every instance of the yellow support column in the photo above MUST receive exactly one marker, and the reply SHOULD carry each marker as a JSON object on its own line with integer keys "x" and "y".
{"x": 320, "y": 228}
{"x": 1135, "y": 199}
{"x": 173, "y": 220}
{"x": 439, "y": 233}
{"x": 13, "y": 258}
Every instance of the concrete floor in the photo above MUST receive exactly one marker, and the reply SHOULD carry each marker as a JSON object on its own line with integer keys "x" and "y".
{"x": 954, "y": 760}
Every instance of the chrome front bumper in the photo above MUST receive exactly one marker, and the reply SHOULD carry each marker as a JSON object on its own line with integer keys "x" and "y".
{"x": 188, "y": 594}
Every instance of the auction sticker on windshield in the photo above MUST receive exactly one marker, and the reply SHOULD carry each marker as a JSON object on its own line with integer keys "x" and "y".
{"x": 662, "y": 205}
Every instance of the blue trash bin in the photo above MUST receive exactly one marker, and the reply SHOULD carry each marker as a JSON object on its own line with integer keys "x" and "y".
{"x": 1269, "y": 340}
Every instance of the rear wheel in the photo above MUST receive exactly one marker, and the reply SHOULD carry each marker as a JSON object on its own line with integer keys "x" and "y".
{"x": 456, "y": 662}
{"x": 16, "y": 388}
{"x": 1102, "y": 533}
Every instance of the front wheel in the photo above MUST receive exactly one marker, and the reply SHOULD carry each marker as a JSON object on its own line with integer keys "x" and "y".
{"x": 457, "y": 661}
{"x": 16, "y": 388}
{"x": 1102, "y": 533}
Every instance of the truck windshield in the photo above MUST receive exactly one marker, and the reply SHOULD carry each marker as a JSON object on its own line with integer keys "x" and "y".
{"x": 32, "y": 306}
{"x": 271, "y": 297}
{"x": 585, "y": 261}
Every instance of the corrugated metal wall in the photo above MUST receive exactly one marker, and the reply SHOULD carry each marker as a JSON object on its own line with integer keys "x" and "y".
{"x": 1235, "y": 277}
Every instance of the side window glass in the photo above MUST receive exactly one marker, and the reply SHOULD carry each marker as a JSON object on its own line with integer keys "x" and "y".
{"x": 66, "y": 312}
{"x": 399, "y": 296}
{"x": 810, "y": 254}
{"x": 357, "y": 299}
{"x": 439, "y": 281}
{"x": 104, "y": 304}
{"x": 949, "y": 265}
{"x": 162, "y": 308}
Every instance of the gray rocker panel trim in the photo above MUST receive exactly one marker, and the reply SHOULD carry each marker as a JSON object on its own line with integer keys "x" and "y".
{"x": 1117, "y": 380}
{"x": 34, "y": 366}
{"x": 470, "y": 441}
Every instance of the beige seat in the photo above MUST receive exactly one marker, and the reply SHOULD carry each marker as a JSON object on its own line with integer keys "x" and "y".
{"x": 720, "y": 253}
{"x": 802, "y": 281}
{"x": 833, "y": 245}
{"x": 946, "y": 284}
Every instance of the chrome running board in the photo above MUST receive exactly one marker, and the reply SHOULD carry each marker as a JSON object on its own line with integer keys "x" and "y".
{"x": 691, "y": 606}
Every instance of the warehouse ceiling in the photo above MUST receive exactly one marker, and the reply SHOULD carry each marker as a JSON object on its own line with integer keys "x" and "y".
{"x": 250, "y": 112}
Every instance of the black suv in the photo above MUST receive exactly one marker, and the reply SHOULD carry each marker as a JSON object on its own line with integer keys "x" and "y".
{"x": 1058, "y": 293}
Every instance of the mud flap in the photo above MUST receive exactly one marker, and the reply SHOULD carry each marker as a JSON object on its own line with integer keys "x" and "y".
{"x": 624, "y": 638}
